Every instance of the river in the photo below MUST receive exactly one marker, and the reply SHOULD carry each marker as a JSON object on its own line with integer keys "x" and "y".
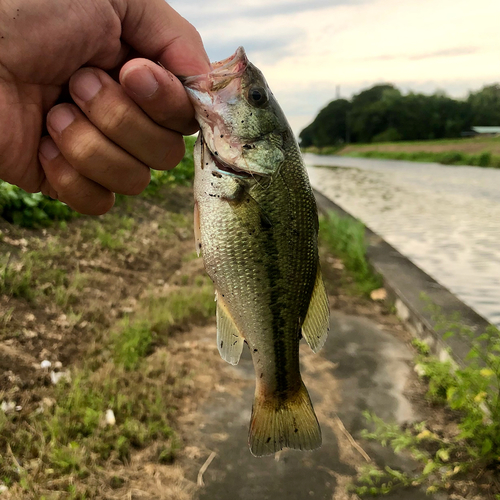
{"x": 446, "y": 219}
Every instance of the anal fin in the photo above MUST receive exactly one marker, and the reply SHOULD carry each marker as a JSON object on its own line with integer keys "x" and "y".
{"x": 315, "y": 327}
{"x": 229, "y": 339}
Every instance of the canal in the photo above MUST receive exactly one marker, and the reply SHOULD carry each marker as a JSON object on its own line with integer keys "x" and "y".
{"x": 446, "y": 219}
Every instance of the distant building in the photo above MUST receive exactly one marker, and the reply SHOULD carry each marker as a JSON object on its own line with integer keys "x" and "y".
{"x": 484, "y": 131}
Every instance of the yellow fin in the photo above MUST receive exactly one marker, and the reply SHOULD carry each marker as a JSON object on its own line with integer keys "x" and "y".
{"x": 279, "y": 424}
{"x": 316, "y": 325}
{"x": 229, "y": 340}
{"x": 197, "y": 230}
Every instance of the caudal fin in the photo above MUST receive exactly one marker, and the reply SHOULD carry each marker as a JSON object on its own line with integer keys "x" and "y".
{"x": 279, "y": 424}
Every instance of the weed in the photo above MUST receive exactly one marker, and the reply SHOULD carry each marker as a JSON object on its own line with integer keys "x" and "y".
{"x": 16, "y": 278}
{"x": 345, "y": 237}
{"x": 112, "y": 241}
{"x": 421, "y": 347}
{"x": 472, "y": 392}
{"x": 132, "y": 343}
{"x": 30, "y": 210}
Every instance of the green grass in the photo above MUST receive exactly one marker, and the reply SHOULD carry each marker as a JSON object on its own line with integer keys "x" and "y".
{"x": 471, "y": 393}
{"x": 484, "y": 159}
{"x": 345, "y": 238}
{"x": 35, "y": 210}
{"x": 16, "y": 277}
{"x": 71, "y": 440}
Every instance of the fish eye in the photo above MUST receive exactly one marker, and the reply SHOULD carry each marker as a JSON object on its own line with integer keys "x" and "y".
{"x": 257, "y": 96}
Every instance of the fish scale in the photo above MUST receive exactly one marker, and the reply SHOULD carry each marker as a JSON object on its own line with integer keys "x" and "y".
{"x": 257, "y": 228}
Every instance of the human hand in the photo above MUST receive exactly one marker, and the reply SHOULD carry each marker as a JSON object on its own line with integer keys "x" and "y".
{"x": 106, "y": 142}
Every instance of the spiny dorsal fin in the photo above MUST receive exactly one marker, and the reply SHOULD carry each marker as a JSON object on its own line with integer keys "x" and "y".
{"x": 278, "y": 424}
{"x": 315, "y": 327}
{"x": 229, "y": 340}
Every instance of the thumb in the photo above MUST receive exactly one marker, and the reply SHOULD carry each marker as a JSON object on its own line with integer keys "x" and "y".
{"x": 158, "y": 32}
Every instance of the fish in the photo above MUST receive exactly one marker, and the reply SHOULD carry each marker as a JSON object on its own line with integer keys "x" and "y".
{"x": 256, "y": 225}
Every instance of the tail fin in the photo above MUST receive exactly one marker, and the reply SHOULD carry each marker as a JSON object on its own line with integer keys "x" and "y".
{"x": 283, "y": 424}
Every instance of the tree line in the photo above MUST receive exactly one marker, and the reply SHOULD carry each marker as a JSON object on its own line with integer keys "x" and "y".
{"x": 383, "y": 114}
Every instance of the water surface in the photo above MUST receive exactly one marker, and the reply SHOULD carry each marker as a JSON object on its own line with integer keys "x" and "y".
{"x": 446, "y": 219}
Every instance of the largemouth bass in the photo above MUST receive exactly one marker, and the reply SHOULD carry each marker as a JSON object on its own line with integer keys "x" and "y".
{"x": 256, "y": 224}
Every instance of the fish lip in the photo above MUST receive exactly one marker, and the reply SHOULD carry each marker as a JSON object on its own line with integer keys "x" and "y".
{"x": 231, "y": 67}
{"x": 227, "y": 169}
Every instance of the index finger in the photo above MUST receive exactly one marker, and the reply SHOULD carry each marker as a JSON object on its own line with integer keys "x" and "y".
{"x": 158, "y": 32}
{"x": 160, "y": 94}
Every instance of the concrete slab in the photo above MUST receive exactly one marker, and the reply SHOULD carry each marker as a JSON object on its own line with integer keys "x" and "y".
{"x": 361, "y": 367}
{"x": 411, "y": 289}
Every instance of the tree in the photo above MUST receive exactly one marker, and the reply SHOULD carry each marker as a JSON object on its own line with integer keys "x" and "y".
{"x": 485, "y": 106}
{"x": 329, "y": 127}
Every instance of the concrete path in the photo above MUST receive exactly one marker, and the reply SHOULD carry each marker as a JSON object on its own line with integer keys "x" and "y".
{"x": 360, "y": 368}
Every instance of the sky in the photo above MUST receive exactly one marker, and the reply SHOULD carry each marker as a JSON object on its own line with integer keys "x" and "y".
{"x": 310, "y": 49}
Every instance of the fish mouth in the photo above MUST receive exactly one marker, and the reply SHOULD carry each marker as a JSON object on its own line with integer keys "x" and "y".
{"x": 222, "y": 72}
{"x": 226, "y": 168}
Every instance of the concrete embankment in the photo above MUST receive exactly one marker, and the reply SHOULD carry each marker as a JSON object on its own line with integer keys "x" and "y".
{"x": 412, "y": 291}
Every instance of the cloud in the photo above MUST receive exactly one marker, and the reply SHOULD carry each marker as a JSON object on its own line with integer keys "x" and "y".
{"x": 267, "y": 49}
{"x": 202, "y": 12}
{"x": 453, "y": 52}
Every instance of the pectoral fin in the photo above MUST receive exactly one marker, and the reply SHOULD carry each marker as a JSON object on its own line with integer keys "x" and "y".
{"x": 229, "y": 340}
{"x": 315, "y": 327}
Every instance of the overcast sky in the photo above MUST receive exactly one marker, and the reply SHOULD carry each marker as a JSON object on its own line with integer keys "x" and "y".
{"x": 306, "y": 48}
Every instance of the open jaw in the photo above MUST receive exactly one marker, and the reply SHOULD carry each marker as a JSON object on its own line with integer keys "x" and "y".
{"x": 226, "y": 168}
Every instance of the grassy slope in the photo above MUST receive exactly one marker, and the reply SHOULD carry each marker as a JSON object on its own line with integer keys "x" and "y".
{"x": 484, "y": 152}
{"x": 102, "y": 297}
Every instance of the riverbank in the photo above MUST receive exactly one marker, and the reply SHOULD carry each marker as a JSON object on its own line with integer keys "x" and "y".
{"x": 478, "y": 151}
{"x": 109, "y": 365}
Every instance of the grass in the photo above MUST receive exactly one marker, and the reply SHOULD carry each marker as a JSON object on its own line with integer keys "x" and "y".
{"x": 77, "y": 279}
{"x": 484, "y": 159}
{"x": 470, "y": 452}
{"x": 345, "y": 238}
{"x": 456, "y": 151}
{"x": 71, "y": 440}
{"x": 16, "y": 277}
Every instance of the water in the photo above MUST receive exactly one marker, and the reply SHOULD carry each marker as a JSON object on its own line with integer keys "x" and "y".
{"x": 445, "y": 219}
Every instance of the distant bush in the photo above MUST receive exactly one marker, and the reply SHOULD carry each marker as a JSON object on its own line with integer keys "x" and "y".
{"x": 389, "y": 135}
{"x": 30, "y": 209}
{"x": 36, "y": 210}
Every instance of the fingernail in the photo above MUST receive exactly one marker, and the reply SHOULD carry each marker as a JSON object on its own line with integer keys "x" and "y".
{"x": 48, "y": 149}
{"x": 60, "y": 118}
{"x": 141, "y": 81}
{"x": 85, "y": 85}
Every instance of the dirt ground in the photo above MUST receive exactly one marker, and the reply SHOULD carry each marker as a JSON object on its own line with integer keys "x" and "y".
{"x": 87, "y": 277}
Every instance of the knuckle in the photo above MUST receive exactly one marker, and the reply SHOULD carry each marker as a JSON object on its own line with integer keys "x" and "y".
{"x": 116, "y": 117}
{"x": 66, "y": 181}
{"x": 83, "y": 148}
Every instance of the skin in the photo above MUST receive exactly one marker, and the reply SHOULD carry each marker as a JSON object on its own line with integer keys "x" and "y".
{"x": 108, "y": 138}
